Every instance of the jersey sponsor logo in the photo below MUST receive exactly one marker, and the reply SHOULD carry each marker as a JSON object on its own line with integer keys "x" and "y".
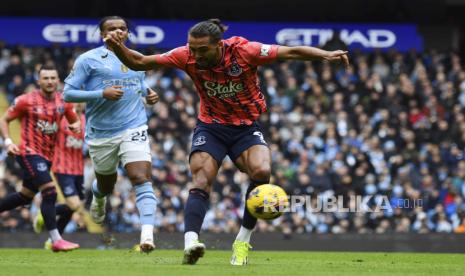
{"x": 200, "y": 140}
{"x": 265, "y": 50}
{"x": 235, "y": 70}
{"x": 127, "y": 83}
{"x": 73, "y": 142}
{"x": 260, "y": 135}
{"x": 46, "y": 127}
{"x": 42, "y": 167}
{"x": 104, "y": 56}
{"x": 223, "y": 91}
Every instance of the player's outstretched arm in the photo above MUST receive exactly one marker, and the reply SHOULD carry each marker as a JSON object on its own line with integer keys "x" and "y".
{"x": 312, "y": 53}
{"x": 132, "y": 59}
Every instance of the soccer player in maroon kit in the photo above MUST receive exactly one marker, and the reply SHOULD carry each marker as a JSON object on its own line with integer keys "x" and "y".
{"x": 224, "y": 72}
{"x": 68, "y": 161}
{"x": 68, "y": 168}
{"x": 40, "y": 112}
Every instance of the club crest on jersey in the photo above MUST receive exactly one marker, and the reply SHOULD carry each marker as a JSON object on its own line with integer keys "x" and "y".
{"x": 124, "y": 69}
{"x": 41, "y": 167}
{"x": 61, "y": 109}
{"x": 235, "y": 70}
{"x": 200, "y": 141}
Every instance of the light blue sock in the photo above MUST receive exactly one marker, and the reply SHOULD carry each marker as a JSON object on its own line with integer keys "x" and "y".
{"x": 96, "y": 191}
{"x": 146, "y": 203}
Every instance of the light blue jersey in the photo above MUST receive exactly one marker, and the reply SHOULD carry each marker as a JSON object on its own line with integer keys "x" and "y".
{"x": 94, "y": 71}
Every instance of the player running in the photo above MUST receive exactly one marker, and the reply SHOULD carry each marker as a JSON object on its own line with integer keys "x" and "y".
{"x": 224, "y": 72}
{"x": 116, "y": 127}
{"x": 40, "y": 112}
{"x": 68, "y": 168}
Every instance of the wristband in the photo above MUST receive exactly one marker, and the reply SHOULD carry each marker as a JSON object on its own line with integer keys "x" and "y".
{"x": 8, "y": 142}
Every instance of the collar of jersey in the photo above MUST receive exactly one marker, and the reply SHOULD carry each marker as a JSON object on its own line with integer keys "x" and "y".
{"x": 105, "y": 50}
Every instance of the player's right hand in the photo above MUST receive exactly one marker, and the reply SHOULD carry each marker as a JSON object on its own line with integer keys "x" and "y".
{"x": 113, "y": 93}
{"x": 12, "y": 149}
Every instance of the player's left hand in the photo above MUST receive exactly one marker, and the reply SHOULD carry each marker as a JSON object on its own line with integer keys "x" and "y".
{"x": 75, "y": 127}
{"x": 339, "y": 56}
{"x": 152, "y": 97}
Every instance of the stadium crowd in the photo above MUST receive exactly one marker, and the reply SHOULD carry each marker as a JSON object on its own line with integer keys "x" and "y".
{"x": 391, "y": 127}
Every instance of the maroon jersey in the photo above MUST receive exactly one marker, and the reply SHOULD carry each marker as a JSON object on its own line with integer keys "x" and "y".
{"x": 229, "y": 93}
{"x": 68, "y": 158}
{"x": 39, "y": 121}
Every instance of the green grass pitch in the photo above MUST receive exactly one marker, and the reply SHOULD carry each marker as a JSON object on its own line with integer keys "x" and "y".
{"x": 167, "y": 262}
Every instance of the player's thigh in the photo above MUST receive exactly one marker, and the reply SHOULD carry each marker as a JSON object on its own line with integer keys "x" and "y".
{"x": 70, "y": 185}
{"x": 256, "y": 158}
{"x": 207, "y": 138}
{"x": 104, "y": 155}
{"x": 134, "y": 153}
{"x": 36, "y": 172}
{"x": 73, "y": 202}
{"x": 204, "y": 169}
{"x": 250, "y": 152}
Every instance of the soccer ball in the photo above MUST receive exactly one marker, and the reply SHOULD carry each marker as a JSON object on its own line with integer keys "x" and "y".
{"x": 267, "y": 201}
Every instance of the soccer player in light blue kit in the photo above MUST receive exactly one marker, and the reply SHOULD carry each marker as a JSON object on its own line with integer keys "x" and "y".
{"x": 116, "y": 128}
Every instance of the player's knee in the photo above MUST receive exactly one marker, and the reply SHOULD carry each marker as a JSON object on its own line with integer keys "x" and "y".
{"x": 27, "y": 199}
{"x": 49, "y": 193}
{"x": 73, "y": 203}
{"x": 139, "y": 178}
{"x": 200, "y": 182}
{"x": 261, "y": 173}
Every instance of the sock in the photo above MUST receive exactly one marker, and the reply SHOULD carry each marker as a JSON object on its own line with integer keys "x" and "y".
{"x": 47, "y": 207}
{"x": 244, "y": 234}
{"x": 95, "y": 191}
{"x": 146, "y": 232}
{"x": 64, "y": 214}
{"x": 146, "y": 203}
{"x": 189, "y": 238}
{"x": 249, "y": 221}
{"x": 194, "y": 212}
{"x": 14, "y": 200}
{"x": 54, "y": 235}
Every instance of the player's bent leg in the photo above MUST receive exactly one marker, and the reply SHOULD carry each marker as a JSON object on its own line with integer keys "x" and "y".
{"x": 65, "y": 211}
{"x": 47, "y": 208}
{"x": 104, "y": 155}
{"x": 13, "y": 200}
{"x": 204, "y": 169}
{"x": 101, "y": 187}
{"x": 69, "y": 185}
{"x": 139, "y": 173}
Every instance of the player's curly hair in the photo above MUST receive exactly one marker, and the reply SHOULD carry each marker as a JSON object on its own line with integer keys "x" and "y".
{"x": 112, "y": 17}
{"x": 212, "y": 28}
